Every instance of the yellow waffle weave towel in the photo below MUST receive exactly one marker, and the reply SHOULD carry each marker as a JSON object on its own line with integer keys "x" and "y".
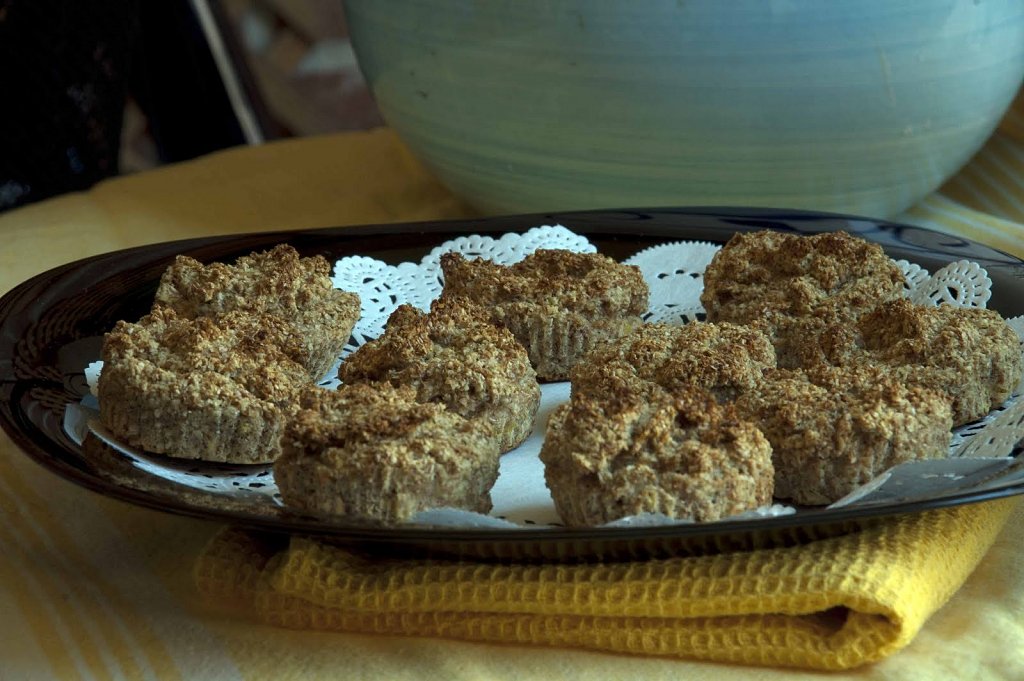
{"x": 831, "y": 604}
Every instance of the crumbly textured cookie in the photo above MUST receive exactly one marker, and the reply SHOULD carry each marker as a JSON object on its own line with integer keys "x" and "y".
{"x": 971, "y": 354}
{"x": 642, "y": 450}
{"x": 834, "y": 434}
{"x": 276, "y": 282}
{"x": 213, "y": 388}
{"x": 373, "y": 452}
{"x": 724, "y": 359}
{"x": 809, "y": 340}
{"x": 557, "y": 303}
{"x": 761, "y": 272}
{"x": 455, "y": 356}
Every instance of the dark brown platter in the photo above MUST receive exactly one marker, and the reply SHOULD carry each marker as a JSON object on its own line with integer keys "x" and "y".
{"x": 51, "y": 327}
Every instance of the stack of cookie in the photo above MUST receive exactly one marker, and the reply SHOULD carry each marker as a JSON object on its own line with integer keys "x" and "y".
{"x": 222, "y": 369}
{"x": 810, "y": 342}
{"x": 474, "y": 359}
{"x": 876, "y": 379}
{"x": 812, "y": 375}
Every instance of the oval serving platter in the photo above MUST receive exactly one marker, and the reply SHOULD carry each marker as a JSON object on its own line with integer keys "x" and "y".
{"x": 51, "y": 328}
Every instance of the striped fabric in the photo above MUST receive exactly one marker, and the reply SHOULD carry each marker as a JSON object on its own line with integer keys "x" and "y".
{"x": 96, "y": 589}
{"x": 985, "y": 200}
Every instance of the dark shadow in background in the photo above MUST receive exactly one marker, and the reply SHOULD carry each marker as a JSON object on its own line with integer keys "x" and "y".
{"x": 67, "y": 68}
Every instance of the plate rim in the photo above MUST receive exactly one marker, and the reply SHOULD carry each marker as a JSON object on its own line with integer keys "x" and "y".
{"x": 654, "y": 223}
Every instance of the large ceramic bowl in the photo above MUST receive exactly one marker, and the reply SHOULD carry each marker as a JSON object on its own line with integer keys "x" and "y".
{"x": 857, "y": 106}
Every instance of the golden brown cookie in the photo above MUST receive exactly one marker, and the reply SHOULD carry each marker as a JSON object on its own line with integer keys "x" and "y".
{"x": 213, "y": 388}
{"x": 373, "y": 452}
{"x": 642, "y": 450}
{"x": 557, "y": 303}
{"x": 834, "y": 434}
{"x": 759, "y": 273}
{"x": 809, "y": 340}
{"x": 454, "y": 356}
{"x": 724, "y": 359}
{"x": 971, "y": 354}
{"x": 276, "y": 282}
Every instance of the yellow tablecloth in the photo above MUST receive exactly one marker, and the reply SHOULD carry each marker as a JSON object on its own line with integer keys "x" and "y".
{"x": 91, "y": 587}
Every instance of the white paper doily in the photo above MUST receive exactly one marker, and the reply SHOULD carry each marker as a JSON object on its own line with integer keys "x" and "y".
{"x": 382, "y": 287}
{"x": 674, "y": 272}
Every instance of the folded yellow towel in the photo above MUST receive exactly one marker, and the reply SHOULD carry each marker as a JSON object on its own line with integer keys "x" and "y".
{"x": 831, "y": 604}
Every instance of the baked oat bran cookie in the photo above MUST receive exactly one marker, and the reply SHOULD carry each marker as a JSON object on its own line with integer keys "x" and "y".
{"x": 832, "y": 435}
{"x": 455, "y": 356}
{"x": 373, "y": 452}
{"x": 970, "y": 354}
{"x": 761, "y": 272}
{"x": 724, "y": 359}
{"x": 808, "y": 340}
{"x": 213, "y": 388}
{"x": 558, "y": 304}
{"x": 276, "y": 282}
{"x": 642, "y": 450}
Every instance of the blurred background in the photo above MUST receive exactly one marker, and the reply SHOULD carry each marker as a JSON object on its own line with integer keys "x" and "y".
{"x": 301, "y": 64}
{"x": 119, "y": 86}
{"x": 853, "y": 106}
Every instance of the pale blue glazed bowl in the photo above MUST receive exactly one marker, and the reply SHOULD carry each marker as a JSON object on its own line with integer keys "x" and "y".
{"x": 856, "y": 106}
